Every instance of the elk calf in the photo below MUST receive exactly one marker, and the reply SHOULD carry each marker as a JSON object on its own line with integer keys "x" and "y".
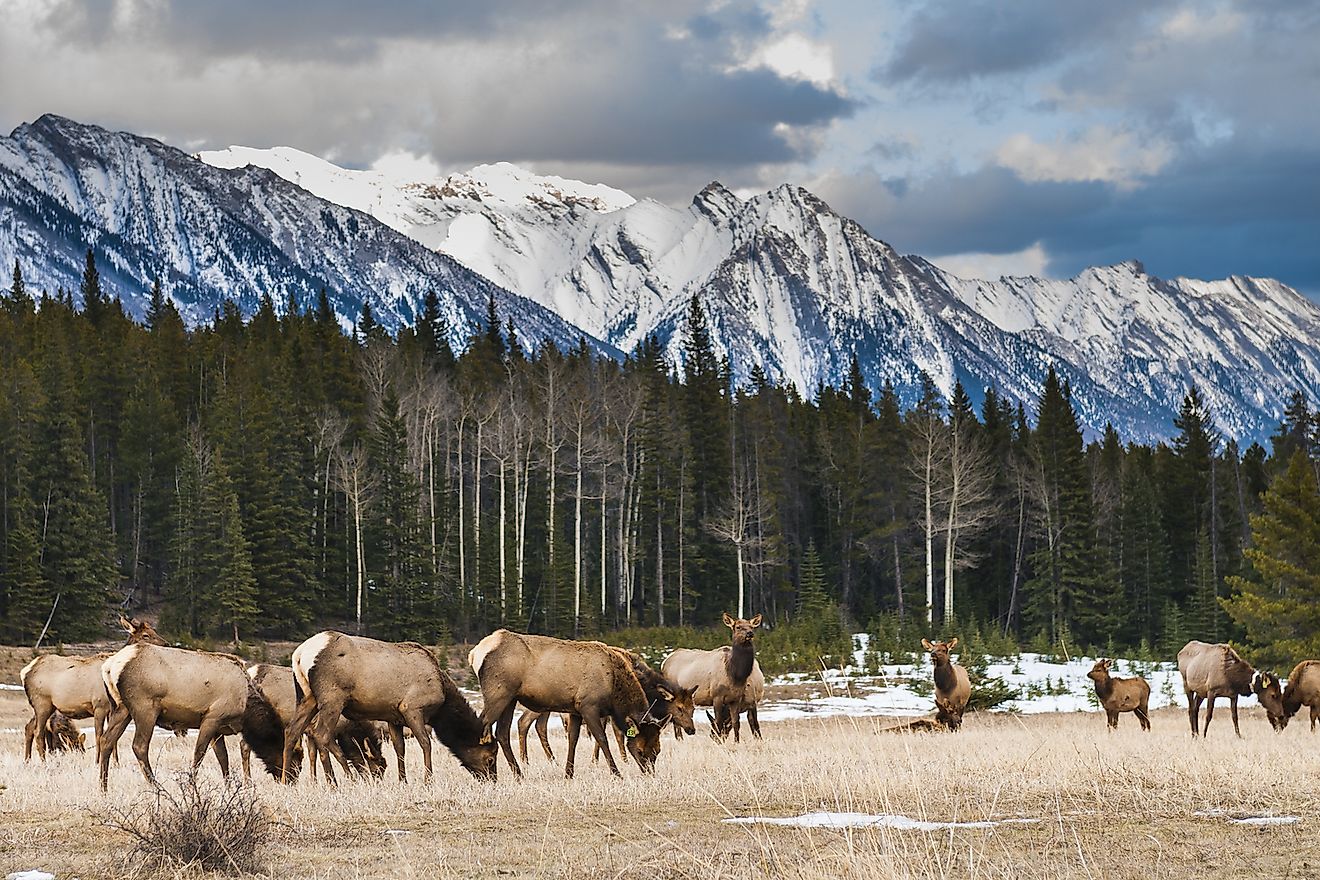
{"x": 952, "y": 687}
{"x": 1303, "y": 690}
{"x": 1121, "y": 695}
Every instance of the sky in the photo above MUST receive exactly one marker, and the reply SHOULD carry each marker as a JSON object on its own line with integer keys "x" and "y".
{"x": 1027, "y": 137}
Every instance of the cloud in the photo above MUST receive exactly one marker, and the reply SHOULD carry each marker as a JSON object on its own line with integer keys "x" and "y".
{"x": 948, "y": 41}
{"x": 1099, "y": 153}
{"x": 1029, "y": 261}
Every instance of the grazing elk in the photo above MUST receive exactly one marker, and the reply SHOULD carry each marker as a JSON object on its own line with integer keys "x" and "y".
{"x": 668, "y": 702}
{"x": 589, "y": 680}
{"x": 360, "y": 741}
{"x": 1211, "y": 671}
{"x": 952, "y": 687}
{"x": 60, "y": 735}
{"x": 1121, "y": 695}
{"x": 719, "y": 678}
{"x": 728, "y": 722}
{"x": 1303, "y": 690}
{"x": 399, "y": 683}
{"x": 195, "y": 690}
{"x": 73, "y": 686}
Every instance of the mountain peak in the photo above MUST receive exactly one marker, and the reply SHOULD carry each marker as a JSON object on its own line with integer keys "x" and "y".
{"x": 504, "y": 183}
{"x": 716, "y": 201}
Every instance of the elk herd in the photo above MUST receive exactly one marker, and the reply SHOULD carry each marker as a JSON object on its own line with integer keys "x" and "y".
{"x": 343, "y": 695}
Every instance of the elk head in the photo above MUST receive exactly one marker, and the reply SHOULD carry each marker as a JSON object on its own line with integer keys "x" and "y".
{"x": 140, "y": 632}
{"x": 643, "y": 743}
{"x": 939, "y": 651}
{"x": 742, "y": 630}
{"x": 679, "y": 705}
{"x": 480, "y": 758}
{"x": 1266, "y": 687}
{"x": 1100, "y": 671}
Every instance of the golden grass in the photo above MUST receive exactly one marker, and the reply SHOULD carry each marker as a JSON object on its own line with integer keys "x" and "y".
{"x": 1119, "y": 805}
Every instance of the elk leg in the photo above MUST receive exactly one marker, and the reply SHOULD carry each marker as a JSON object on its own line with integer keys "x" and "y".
{"x": 736, "y": 722}
{"x": 1113, "y": 719}
{"x": 145, "y": 726}
{"x": 420, "y": 732}
{"x": 30, "y": 733}
{"x": 323, "y": 729}
{"x": 302, "y": 716}
{"x": 1232, "y": 708}
{"x": 114, "y": 729}
{"x": 222, "y": 755}
{"x": 98, "y": 727}
{"x": 718, "y": 731}
{"x": 1143, "y": 714}
{"x": 1194, "y": 711}
{"x": 752, "y": 722}
{"x": 597, "y": 729}
{"x": 543, "y": 732}
{"x": 396, "y": 740}
{"x": 313, "y": 754}
{"x": 1315, "y": 716}
{"x": 42, "y": 718}
{"x": 503, "y": 727}
{"x": 622, "y": 743}
{"x": 574, "y": 730}
{"x": 1209, "y": 713}
{"x": 245, "y": 754}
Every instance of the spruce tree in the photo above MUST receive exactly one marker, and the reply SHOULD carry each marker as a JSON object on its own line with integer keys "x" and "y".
{"x": 226, "y": 560}
{"x": 1277, "y": 601}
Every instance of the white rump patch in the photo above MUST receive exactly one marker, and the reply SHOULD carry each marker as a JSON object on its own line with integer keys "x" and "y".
{"x": 304, "y": 658}
{"x": 23, "y": 674}
{"x": 870, "y": 820}
{"x": 113, "y": 667}
{"x": 252, "y": 670}
{"x": 478, "y": 655}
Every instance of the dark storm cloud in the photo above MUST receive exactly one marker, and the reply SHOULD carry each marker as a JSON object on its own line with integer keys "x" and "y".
{"x": 947, "y": 41}
{"x": 1240, "y": 208}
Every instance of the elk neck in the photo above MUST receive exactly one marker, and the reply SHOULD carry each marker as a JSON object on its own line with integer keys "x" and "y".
{"x": 945, "y": 680}
{"x": 740, "y": 659}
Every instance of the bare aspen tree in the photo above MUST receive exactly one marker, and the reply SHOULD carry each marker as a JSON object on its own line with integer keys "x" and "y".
{"x": 966, "y": 498}
{"x": 354, "y": 478}
{"x": 927, "y": 460}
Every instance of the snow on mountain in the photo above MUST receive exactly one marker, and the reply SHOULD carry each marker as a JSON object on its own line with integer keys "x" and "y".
{"x": 210, "y": 233}
{"x": 787, "y": 283}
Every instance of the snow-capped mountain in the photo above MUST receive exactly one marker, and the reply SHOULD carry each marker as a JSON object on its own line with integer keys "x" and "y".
{"x": 786, "y": 282}
{"x": 149, "y": 210}
{"x": 794, "y": 287}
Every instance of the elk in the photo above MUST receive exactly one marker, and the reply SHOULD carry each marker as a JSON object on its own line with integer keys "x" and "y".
{"x": 1211, "y": 671}
{"x": 1121, "y": 695}
{"x": 72, "y": 686}
{"x": 719, "y": 678}
{"x": 720, "y": 727}
{"x": 360, "y": 741}
{"x": 1303, "y": 690}
{"x": 195, "y": 690}
{"x": 589, "y": 680}
{"x": 399, "y": 683}
{"x": 668, "y": 703}
{"x": 952, "y": 687}
{"x": 60, "y": 735}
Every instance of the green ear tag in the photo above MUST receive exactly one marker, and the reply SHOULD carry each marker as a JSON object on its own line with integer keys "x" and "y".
{"x": 632, "y": 731}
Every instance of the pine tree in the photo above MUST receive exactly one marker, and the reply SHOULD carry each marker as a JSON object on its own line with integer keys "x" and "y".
{"x": 368, "y": 329}
{"x": 94, "y": 301}
{"x": 226, "y": 560}
{"x": 1278, "y": 601}
{"x": 813, "y": 599}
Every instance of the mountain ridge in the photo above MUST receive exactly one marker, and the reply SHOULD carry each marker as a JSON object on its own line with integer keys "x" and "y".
{"x": 788, "y": 284}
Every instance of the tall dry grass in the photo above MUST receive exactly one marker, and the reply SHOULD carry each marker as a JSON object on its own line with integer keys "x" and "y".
{"x": 1110, "y": 805}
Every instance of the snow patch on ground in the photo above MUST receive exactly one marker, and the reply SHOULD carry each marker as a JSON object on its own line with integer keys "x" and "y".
{"x": 1044, "y": 684}
{"x": 1247, "y": 820}
{"x": 869, "y": 820}
{"x": 30, "y": 875}
{"x": 11, "y": 687}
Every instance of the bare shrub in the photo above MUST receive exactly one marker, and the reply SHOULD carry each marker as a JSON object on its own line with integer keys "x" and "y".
{"x": 215, "y": 826}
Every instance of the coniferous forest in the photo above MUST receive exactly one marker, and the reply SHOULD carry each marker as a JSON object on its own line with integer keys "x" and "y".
{"x": 268, "y": 477}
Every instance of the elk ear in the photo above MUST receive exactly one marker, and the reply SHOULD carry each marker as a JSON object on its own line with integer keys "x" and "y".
{"x": 953, "y": 643}
{"x": 125, "y": 624}
{"x": 755, "y": 621}
{"x": 729, "y": 621}
{"x": 665, "y": 694}
{"x": 486, "y": 740}
{"x": 925, "y": 643}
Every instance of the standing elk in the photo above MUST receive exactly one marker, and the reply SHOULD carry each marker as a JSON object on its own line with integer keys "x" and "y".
{"x": 1211, "y": 671}
{"x": 589, "y": 680}
{"x": 1303, "y": 690}
{"x": 399, "y": 683}
{"x": 719, "y": 678}
{"x": 360, "y": 741}
{"x": 72, "y": 686}
{"x": 194, "y": 690}
{"x": 952, "y": 687}
{"x": 1121, "y": 695}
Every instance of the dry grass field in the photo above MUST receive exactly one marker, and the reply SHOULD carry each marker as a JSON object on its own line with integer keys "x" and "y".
{"x": 1121, "y": 805}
